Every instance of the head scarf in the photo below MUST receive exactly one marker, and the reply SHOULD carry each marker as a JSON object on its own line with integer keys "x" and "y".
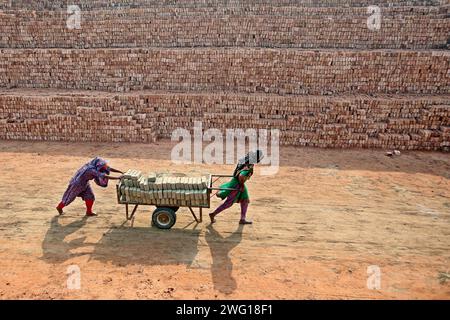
{"x": 98, "y": 164}
{"x": 249, "y": 160}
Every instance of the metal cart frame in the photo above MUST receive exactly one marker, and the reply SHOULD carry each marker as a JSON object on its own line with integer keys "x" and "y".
{"x": 213, "y": 178}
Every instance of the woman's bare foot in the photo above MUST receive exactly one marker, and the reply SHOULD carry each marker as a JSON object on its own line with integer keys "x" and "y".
{"x": 92, "y": 214}
{"x": 245, "y": 222}
{"x": 211, "y": 216}
{"x": 60, "y": 211}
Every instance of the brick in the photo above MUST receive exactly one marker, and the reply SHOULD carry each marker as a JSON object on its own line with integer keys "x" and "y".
{"x": 170, "y": 194}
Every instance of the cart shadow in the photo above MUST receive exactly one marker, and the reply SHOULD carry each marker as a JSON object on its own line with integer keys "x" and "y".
{"x": 54, "y": 248}
{"x": 222, "y": 265}
{"x": 124, "y": 245}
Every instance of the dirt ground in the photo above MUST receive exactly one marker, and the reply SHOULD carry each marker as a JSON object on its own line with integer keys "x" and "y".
{"x": 319, "y": 226}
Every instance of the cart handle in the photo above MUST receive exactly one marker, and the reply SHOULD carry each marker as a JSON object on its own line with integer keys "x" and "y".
{"x": 228, "y": 189}
{"x": 222, "y": 175}
{"x": 218, "y": 176}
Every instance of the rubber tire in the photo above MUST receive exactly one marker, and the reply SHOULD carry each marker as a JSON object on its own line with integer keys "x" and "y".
{"x": 167, "y": 211}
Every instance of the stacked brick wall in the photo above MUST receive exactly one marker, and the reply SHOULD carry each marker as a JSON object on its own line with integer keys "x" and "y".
{"x": 70, "y": 118}
{"x": 290, "y": 27}
{"x": 139, "y": 69}
{"x": 281, "y": 71}
{"x": 102, "y": 4}
{"x": 408, "y": 122}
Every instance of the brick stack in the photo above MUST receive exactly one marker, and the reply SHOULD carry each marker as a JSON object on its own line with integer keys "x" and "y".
{"x": 248, "y": 70}
{"x": 308, "y": 68}
{"x": 163, "y": 189}
{"x": 102, "y": 4}
{"x": 72, "y": 118}
{"x": 403, "y": 121}
{"x": 288, "y": 27}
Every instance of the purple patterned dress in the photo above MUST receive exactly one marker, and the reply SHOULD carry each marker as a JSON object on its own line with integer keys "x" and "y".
{"x": 79, "y": 185}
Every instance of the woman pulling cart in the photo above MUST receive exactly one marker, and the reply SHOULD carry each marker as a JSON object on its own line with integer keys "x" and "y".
{"x": 243, "y": 172}
{"x": 98, "y": 170}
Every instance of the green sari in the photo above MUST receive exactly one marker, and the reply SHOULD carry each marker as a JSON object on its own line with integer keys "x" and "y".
{"x": 234, "y": 184}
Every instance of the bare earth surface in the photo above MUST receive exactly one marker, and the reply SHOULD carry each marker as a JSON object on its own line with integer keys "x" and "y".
{"x": 319, "y": 224}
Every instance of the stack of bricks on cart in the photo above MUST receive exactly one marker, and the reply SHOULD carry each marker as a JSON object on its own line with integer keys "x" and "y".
{"x": 137, "y": 70}
{"x": 163, "y": 189}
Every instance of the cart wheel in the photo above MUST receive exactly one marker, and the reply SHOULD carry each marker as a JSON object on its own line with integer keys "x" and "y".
{"x": 164, "y": 218}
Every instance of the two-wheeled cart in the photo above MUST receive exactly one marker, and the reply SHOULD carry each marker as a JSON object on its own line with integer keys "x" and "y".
{"x": 164, "y": 216}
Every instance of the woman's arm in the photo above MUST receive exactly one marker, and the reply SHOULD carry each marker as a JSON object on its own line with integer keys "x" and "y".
{"x": 113, "y": 178}
{"x": 115, "y": 170}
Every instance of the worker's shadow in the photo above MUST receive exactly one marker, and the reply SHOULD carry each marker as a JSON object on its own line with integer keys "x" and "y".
{"x": 122, "y": 245}
{"x": 222, "y": 266}
{"x": 147, "y": 246}
{"x": 55, "y": 248}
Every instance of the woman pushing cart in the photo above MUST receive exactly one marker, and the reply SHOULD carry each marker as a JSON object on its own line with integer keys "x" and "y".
{"x": 167, "y": 195}
{"x": 98, "y": 170}
{"x": 235, "y": 190}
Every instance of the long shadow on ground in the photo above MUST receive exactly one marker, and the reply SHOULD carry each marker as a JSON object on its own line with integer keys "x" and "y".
{"x": 55, "y": 248}
{"x": 222, "y": 266}
{"x": 125, "y": 245}
{"x": 122, "y": 245}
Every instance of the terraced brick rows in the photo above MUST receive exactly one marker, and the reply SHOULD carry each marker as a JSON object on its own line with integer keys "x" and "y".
{"x": 281, "y": 71}
{"x": 102, "y": 4}
{"x": 137, "y": 70}
{"x": 408, "y": 121}
{"x": 289, "y": 27}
